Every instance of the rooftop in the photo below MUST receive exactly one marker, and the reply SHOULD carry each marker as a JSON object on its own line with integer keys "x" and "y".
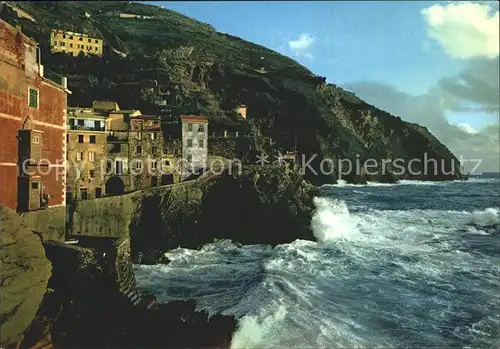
{"x": 194, "y": 118}
{"x": 149, "y": 117}
{"x": 124, "y": 111}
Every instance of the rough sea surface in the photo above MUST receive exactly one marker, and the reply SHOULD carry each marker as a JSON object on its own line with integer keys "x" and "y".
{"x": 411, "y": 265}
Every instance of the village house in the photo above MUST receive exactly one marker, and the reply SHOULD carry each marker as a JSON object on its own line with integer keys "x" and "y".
{"x": 33, "y": 126}
{"x": 194, "y": 144}
{"x": 86, "y": 153}
{"x": 75, "y": 43}
{"x": 135, "y": 152}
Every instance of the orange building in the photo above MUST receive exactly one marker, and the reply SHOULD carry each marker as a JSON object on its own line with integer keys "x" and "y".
{"x": 32, "y": 126}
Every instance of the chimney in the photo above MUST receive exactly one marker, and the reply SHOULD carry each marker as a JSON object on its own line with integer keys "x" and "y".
{"x": 64, "y": 82}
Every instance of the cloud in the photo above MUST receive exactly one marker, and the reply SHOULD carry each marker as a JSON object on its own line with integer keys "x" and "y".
{"x": 464, "y": 30}
{"x": 429, "y": 110}
{"x": 301, "y": 46}
{"x": 478, "y": 83}
{"x": 467, "y": 128}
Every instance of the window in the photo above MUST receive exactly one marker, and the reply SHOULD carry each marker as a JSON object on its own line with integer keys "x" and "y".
{"x": 154, "y": 136}
{"x": 67, "y": 138}
{"x": 34, "y": 185}
{"x": 96, "y": 48}
{"x": 138, "y": 165}
{"x": 98, "y": 192}
{"x": 81, "y": 122}
{"x": 119, "y": 167}
{"x": 99, "y": 125}
{"x": 63, "y": 44}
{"x": 138, "y": 149}
{"x": 201, "y": 143}
{"x": 139, "y": 125}
{"x": 190, "y": 127}
{"x": 153, "y": 164}
{"x": 96, "y": 41}
{"x": 91, "y": 156}
{"x": 33, "y": 98}
{"x": 190, "y": 158}
{"x": 80, "y": 138}
{"x": 70, "y": 45}
{"x": 166, "y": 163}
{"x": 64, "y": 36}
{"x": 80, "y": 38}
{"x": 139, "y": 135}
{"x": 35, "y": 139}
{"x": 92, "y": 139}
{"x": 153, "y": 150}
{"x": 71, "y": 37}
{"x": 90, "y": 40}
{"x": 190, "y": 142}
{"x": 83, "y": 194}
{"x": 91, "y": 173}
{"x": 79, "y": 156}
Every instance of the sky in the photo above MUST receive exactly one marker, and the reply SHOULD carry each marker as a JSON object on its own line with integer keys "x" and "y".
{"x": 430, "y": 62}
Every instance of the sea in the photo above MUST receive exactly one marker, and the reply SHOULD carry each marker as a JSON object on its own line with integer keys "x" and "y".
{"x": 408, "y": 265}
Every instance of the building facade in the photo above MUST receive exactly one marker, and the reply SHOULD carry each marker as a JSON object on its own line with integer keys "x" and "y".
{"x": 32, "y": 127}
{"x": 194, "y": 144}
{"x": 74, "y": 43}
{"x": 135, "y": 152}
{"x": 86, "y": 153}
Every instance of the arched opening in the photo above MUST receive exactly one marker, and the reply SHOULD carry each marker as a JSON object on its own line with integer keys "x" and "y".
{"x": 115, "y": 186}
{"x": 167, "y": 178}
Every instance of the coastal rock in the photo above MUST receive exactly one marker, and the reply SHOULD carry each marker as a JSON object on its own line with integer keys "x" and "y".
{"x": 93, "y": 302}
{"x": 25, "y": 272}
{"x": 260, "y": 205}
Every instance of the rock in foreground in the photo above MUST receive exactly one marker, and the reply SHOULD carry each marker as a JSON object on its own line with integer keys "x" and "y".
{"x": 91, "y": 305}
{"x": 24, "y": 275}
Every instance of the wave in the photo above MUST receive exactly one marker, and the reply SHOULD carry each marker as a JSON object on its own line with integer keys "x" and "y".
{"x": 342, "y": 183}
{"x": 331, "y": 219}
{"x": 252, "y": 332}
{"x": 487, "y": 218}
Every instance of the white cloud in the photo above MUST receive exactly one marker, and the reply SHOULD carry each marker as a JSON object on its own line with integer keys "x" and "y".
{"x": 465, "y": 29}
{"x": 467, "y": 128}
{"x": 301, "y": 46}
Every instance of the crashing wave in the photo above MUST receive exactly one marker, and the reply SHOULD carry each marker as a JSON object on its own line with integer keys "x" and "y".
{"x": 331, "y": 219}
{"x": 253, "y": 330}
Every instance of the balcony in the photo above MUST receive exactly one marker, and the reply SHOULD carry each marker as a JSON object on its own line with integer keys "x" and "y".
{"x": 86, "y": 125}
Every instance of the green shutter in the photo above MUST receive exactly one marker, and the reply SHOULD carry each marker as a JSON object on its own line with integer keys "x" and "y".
{"x": 33, "y": 98}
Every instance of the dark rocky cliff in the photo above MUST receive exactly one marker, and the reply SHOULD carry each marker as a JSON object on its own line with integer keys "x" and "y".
{"x": 209, "y": 72}
{"x": 262, "y": 205}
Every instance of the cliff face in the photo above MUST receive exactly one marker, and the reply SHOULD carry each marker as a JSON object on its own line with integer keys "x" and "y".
{"x": 193, "y": 68}
{"x": 259, "y": 206}
{"x": 24, "y": 273}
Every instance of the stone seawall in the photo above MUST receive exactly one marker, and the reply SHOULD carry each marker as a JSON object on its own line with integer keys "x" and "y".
{"x": 107, "y": 217}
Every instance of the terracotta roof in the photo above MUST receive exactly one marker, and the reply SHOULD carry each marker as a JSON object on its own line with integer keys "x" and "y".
{"x": 194, "y": 118}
